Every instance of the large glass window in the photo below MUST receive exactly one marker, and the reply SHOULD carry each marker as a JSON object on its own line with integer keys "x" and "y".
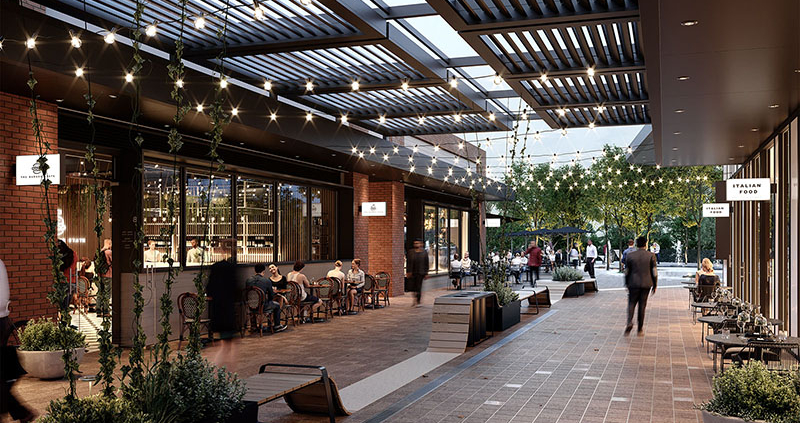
{"x": 323, "y": 216}
{"x": 454, "y": 234}
{"x": 442, "y": 244}
{"x": 208, "y": 212}
{"x": 255, "y": 229}
{"x": 292, "y": 222}
{"x": 430, "y": 235}
{"x": 161, "y": 188}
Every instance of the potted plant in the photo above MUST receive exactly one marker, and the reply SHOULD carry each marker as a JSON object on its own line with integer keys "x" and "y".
{"x": 42, "y": 345}
{"x": 570, "y": 274}
{"x": 507, "y": 314}
{"x": 753, "y": 393}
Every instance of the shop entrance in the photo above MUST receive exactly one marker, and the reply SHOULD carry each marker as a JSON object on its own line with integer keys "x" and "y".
{"x": 77, "y": 213}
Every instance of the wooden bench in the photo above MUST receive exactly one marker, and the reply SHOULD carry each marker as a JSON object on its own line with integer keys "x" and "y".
{"x": 458, "y": 321}
{"x": 304, "y": 393}
{"x": 536, "y": 297}
{"x": 578, "y": 288}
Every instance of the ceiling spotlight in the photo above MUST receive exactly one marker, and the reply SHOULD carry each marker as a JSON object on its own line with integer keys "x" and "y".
{"x": 151, "y": 30}
{"x": 110, "y": 38}
{"x": 382, "y": 120}
{"x": 223, "y": 82}
{"x": 689, "y": 23}
{"x": 774, "y": 106}
{"x": 128, "y": 77}
{"x": 309, "y": 116}
{"x": 404, "y": 85}
{"x": 75, "y": 41}
{"x": 343, "y": 119}
{"x": 454, "y": 82}
{"x": 79, "y": 72}
{"x": 30, "y": 43}
{"x": 562, "y": 112}
{"x": 497, "y": 80}
{"x": 199, "y": 108}
{"x": 543, "y": 77}
{"x": 491, "y": 116}
{"x": 683, "y": 78}
{"x": 200, "y": 22}
{"x": 179, "y": 83}
{"x": 354, "y": 85}
{"x": 590, "y": 71}
{"x": 234, "y": 111}
{"x": 309, "y": 85}
{"x": 268, "y": 85}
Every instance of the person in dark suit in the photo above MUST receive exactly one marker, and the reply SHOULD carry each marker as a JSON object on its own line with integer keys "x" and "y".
{"x": 417, "y": 265}
{"x": 641, "y": 276}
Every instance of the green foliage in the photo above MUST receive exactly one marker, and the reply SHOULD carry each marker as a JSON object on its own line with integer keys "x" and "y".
{"x": 199, "y": 390}
{"x": 567, "y": 274}
{"x": 46, "y": 335}
{"x": 753, "y": 392}
{"x": 495, "y": 281}
{"x": 94, "y": 409}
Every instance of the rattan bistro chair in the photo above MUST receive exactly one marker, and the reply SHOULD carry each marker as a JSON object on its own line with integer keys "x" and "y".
{"x": 298, "y": 306}
{"x": 339, "y": 295}
{"x": 254, "y": 300}
{"x": 326, "y": 293}
{"x": 383, "y": 284}
{"x": 367, "y": 292}
{"x": 83, "y": 286}
{"x": 187, "y": 308}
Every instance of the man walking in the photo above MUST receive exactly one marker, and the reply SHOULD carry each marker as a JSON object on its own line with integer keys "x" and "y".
{"x": 656, "y": 249}
{"x": 625, "y": 254}
{"x": 641, "y": 276}
{"x": 534, "y": 254}
{"x": 591, "y": 256}
{"x": 417, "y": 268}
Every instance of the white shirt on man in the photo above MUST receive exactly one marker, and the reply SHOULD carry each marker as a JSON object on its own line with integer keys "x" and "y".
{"x": 591, "y": 251}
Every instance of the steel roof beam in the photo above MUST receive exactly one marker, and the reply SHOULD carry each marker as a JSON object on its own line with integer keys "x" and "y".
{"x": 410, "y": 11}
{"x": 269, "y": 47}
{"x": 575, "y": 72}
{"x": 380, "y": 86}
{"x": 586, "y": 19}
{"x": 450, "y": 112}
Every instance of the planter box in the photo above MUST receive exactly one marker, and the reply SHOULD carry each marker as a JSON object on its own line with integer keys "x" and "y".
{"x": 575, "y": 289}
{"x": 506, "y": 316}
{"x": 716, "y": 418}
{"x": 248, "y": 415}
{"x": 46, "y": 364}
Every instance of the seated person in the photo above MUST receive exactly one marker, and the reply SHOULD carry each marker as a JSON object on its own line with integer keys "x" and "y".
{"x": 151, "y": 255}
{"x": 456, "y": 271}
{"x": 466, "y": 263}
{"x": 516, "y": 266}
{"x": 278, "y": 281}
{"x": 705, "y": 280}
{"x": 265, "y": 285}
{"x": 336, "y": 272}
{"x": 355, "y": 279}
{"x": 296, "y": 276}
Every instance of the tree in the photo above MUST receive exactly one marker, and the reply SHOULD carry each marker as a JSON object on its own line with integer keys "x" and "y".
{"x": 693, "y": 187}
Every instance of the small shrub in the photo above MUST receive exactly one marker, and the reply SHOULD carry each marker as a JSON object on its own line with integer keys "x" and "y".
{"x": 46, "y": 335}
{"x": 203, "y": 392}
{"x": 753, "y": 392}
{"x": 567, "y": 274}
{"x": 94, "y": 409}
{"x": 496, "y": 282}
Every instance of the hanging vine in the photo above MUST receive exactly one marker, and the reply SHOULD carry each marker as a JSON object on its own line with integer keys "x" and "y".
{"x": 219, "y": 119}
{"x": 59, "y": 296}
{"x": 135, "y": 367}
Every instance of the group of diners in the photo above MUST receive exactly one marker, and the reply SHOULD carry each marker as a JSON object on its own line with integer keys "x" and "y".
{"x": 274, "y": 285}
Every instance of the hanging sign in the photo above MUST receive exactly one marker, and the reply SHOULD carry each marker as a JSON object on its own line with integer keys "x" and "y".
{"x": 493, "y": 222}
{"x": 28, "y": 172}
{"x": 753, "y": 189}
{"x": 716, "y": 210}
{"x": 373, "y": 209}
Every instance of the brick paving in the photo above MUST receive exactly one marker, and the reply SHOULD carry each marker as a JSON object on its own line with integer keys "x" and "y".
{"x": 574, "y": 365}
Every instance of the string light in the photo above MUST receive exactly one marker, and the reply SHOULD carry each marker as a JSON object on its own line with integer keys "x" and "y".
{"x": 75, "y": 41}
{"x": 355, "y": 150}
{"x": 110, "y": 38}
{"x": 591, "y": 125}
{"x": 461, "y": 145}
{"x": 354, "y": 85}
{"x": 128, "y": 77}
{"x": 562, "y": 112}
{"x": 497, "y": 80}
{"x": 415, "y": 149}
{"x": 79, "y": 72}
{"x": 235, "y": 111}
{"x": 343, "y": 119}
{"x": 30, "y": 43}
{"x": 600, "y": 109}
{"x": 563, "y": 132}
{"x": 454, "y": 83}
{"x": 268, "y": 85}
{"x": 199, "y": 108}
{"x": 372, "y": 150}
{"x": 360, "y": 154}
{"x": 179, "y": 83}
{"x": 412, "y": 168}
{"x": 273, "y": 116}
{"x": 309, "y": 85}
{"x": 151, "y": 30}
{"x": 456, "y": 117}
{"x": 404, "y": 85}
{"x": 421, "y": 120}
{"x": 590, "y": 71}
{"x": 223, "y": 82}
{"x": 309, "y": 116}
{"x": 258, "y": 12}
{"x": 396, "y": 149}
{"x": 200, "y": 22}
{"x": 436, "y": 148}
{"x": 491, "y": 116}
{"x": 385, "y": 157}
{"x": 382, "y": 120}
{"x": 543, "y": 77}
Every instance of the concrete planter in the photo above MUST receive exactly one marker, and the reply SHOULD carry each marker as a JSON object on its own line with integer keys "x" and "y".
{"x": 46, "y": 364}
{"x": 506, "y": 316}
{"x": 717, "y": 418}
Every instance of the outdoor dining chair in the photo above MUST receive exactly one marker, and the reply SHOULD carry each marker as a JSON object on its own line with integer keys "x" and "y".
{"x": 383, "y": 285}
{"x": 325, "y": 292}
{"x": 254, "y": 300}
{"x": 367, "y": 292}
{"x": 187, "y": 308}
{"x": 298, "y": 307}
{"x": 338, "y": 295}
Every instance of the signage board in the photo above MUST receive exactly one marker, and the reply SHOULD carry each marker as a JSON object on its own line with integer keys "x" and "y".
{"x": 752, "y": 189}
{"x": 373, "y": 209}
{"x": 316, "y": 210}
{"x": 493, "y": 222}
{"x": 28, "y": 172}
{"x": 716, "y": 210}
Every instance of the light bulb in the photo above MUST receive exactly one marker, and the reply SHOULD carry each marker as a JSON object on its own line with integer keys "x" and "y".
{"x": 344, "y": 119}
{"x": 31, "y": 43}
{"x": 354, "y": 85}
{"x": 396, "y": 149}
{"x": 563, "y": 132}
{"x": 404, "y": 85}
{"x": 234, "y": 111}
{"x": 128, "y": 77}
{"x": 454, "y": 82}
{"x": 151, "y": 30}
{"x": 590, "y": 71}
{"x": 543, "y": 77}
{"x": 385, "y": 157}
{"x": 75, "y": 41}
{"x": 258, "y": 13}
{"x": 79, "y": 72}
{"x": 430, "y": 170}
{"x": 200, "y": 22}
{"x": 309, "y": 116}
{"x": 562, "y": 112}
{"x": 199, "y": 108}
{"x": 223, "y": 83}
{"x": 110, "y": 38}
{"x": 524, "y": 116}
{"x": 309, "y": 86}
{"x": 268, "y": 85}
{"x": 179, "y": 83}
{"x": 273, "y": 116}
{"x": 354, "y": 150}
{"x": 412, "y": 168}
{"x": 421, "y": 120}
{"x": 461, "y": 145}
{"x": 591, "y": 125}
{"x": 457, "y": 117}
{"x": 382, "y": 120}
{"x": 372, "y": 150}
{"x": 492, "y": 116}
{"x": 436, "y": 147}
{"x": 415, "y": 149}
{"x": 497, "y": 79}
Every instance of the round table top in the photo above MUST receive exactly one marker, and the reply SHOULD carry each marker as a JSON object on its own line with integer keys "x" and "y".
{"x": 734, "y": 340}
{"x": 688, "y": 281}
{"x": 709, "y": 304}
{"x": 718, "y": 320}
{"x": 690, "y": 286}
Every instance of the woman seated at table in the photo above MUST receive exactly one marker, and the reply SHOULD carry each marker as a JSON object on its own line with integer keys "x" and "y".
{"x": 456, "y": 271}
{"x": 355, "y": 280}
{"x": 278, "y": 281}
{"x": 296, "y": 276}
{"x": 706, "y": 281}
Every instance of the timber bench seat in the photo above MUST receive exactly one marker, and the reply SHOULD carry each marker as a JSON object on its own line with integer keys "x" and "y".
{"x": 538, "y": 297}
{"x": 303, "y": 392}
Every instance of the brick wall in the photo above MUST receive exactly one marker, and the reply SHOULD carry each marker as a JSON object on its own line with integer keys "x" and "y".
{"x": 386, "y": 247}
{"x": 360, "y": 184}
{"x": 22, "y": 247}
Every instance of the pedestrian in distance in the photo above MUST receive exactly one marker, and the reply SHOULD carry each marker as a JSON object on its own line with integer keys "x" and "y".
{"x": 534, "y": 254}
{"x": 591, "y": 257}
{"x": 641, "y": 278}
{"x": 574, "y": 255}
{"x": 656, "y": 249}
{"x": 625, "y": 253}
{"x": 417, "y": 269}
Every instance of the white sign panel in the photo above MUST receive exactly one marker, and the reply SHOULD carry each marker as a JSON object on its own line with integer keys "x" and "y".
{"x": 28, "y": 172}
{"x": 373, "y": 209}
{"x": 316, "y": 210}
{"x": 493, "y": 222}
{"x": 754, "y": 189}
{"x": 716, "y": 210}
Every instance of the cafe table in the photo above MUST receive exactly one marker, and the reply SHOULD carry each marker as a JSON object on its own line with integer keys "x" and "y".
{"x": 722, "y": 343}
{"x": 701, "y": 307}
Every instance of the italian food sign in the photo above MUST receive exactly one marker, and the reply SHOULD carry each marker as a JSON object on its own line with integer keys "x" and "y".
{"x": 753, "y": 189}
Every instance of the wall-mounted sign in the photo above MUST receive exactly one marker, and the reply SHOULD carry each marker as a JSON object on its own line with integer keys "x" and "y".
{"x": 716, "y": 210}
{"x": 373, "y": 209}
{"x": 316, "y": 210}
{"x": 753, "y": 189}
{"x": 493, "y": 222}
{"x": 28, "y": 172}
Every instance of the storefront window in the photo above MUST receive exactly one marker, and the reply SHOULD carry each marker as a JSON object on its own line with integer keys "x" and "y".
{"x": 454, "y": 234}
{"x": 443, "y": 243}
{"x": 292, "y": 222}
{"x": 464, "y": 230}
{"x": 160, "y": 187}
{"x": 323, "y": 216}
{"x": 430, "y": 235}
{"x": 255, "y": 230}
{"x": 208, "y": 212}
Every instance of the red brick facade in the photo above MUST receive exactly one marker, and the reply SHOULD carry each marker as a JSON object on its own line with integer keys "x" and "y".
{"x": 386, "y": 241}
{"x": 360, "y": 184}
{"x": 22, "y": 247}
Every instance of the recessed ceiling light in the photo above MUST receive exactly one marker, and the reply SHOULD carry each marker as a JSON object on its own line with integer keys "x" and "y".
{"x": 689, "y": 23}
{"x": 676, "y": 133}
{"x": 283, "y": 141}
{"x": 774, "y": 106}
{"x": 741, "y": 145}
{"x": 730, "y": 158}
{"x": 112, "y": 96}
{"x": 333, "y": 154}
{"x": 753, "y": 129}
{"x": 674, "y": 148}
{"x": 59, "y": 100}
{"x": 679, "y": 110}
{"x": 683, "y": 78}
